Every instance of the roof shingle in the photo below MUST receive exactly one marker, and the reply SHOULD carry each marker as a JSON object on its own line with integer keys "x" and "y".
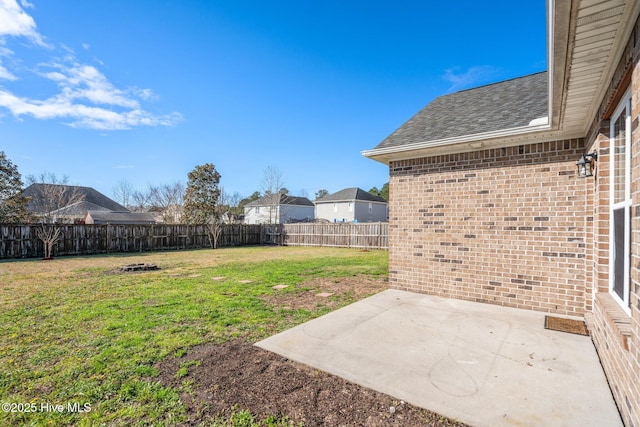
{"x": 505, "y": 105}
{"x": 69, "y": 194}
{"x": 281, "y": 199}
{"x": 103, "y": 217}
{"x": 351, "y": 194}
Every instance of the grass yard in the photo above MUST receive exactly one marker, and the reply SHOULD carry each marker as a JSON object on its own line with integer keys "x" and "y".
{"x": 77, "y": 332}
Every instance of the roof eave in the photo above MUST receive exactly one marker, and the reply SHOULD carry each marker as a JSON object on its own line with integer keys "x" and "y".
{"x": 466, "y": 143}
{"x": 558, "y": 35}
{"x": 348, "y": 200}
{"x": 558, "y": 25}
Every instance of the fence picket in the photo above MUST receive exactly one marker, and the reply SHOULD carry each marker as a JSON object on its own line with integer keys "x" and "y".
{"x": 373, "y": 235}
{"x": 20, "y": 240}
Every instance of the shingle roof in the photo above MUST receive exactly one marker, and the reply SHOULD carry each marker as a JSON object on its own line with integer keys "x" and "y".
{"x": 282, "y": 199}
{"x": 123, "y": 217}
{"x": 351, "y": 194}
{"x": 70, "y": 193}
{"x": 79, "y": 208}
{"x": 504, "y": 105}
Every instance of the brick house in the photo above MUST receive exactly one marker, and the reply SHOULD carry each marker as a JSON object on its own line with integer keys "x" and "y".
{"x": 486, "y": 202}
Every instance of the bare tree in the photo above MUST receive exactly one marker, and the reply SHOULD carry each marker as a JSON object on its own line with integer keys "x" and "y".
{"x": 169, "y": 199}
{"x": 123, "y": 193}
{"x": 53, "y": 197}
{"x": 272, "y": 187}
{"x": 50, "y": 235}
{"x": 228, "y": 206}
{"x": 140, "y": 201}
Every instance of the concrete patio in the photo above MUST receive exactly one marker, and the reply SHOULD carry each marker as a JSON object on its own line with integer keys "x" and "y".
{"x": 481, "y": 364}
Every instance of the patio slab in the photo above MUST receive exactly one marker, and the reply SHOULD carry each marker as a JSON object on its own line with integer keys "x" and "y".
{"x": 481, "y": 364}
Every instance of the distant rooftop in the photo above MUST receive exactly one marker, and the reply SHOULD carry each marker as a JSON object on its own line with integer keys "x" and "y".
{"x": 351, "y": 194}
{"x": 69, "y": 195}
{"x": 123, "y": 217}
{"x": 281, "y": 199}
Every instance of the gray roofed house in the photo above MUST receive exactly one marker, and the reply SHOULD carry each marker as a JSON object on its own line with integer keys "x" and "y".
{"x": 67, "y": 203}
{"x": 350, "y": 194}
{"x": 351, "y": 205}
{"x": 110, "y": 217}
{"x": 278, "y": 209}
{"x": 78, "y": 209}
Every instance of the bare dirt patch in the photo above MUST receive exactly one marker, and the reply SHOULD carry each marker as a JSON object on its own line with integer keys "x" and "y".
{"x": 341, "y": 289}
{"x": 239, "y": 375}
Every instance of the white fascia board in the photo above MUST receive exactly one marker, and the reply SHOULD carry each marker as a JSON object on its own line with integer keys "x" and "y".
{"x": 351, "y": 201}
{"x": 478, "y": 141}
{"x": 551, "y": 7}
{"x": 372, "y": 201}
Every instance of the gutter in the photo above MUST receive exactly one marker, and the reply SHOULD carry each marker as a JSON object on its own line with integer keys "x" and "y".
{"x": 466, "y": 142}
{"x": 534, "y": 132}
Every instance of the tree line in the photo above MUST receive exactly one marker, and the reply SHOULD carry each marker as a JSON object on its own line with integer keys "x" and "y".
{"x": 200, "y": 199}
{"x": 174, "y": 202}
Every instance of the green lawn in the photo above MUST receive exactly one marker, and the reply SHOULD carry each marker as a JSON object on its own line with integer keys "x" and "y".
{"x": 74, "y": 331}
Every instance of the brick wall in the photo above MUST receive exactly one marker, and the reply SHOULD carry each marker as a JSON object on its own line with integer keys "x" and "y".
{"x": 516, "y": 227}
{"x": 615, "y": 333}
{"x": 504, "y": 226}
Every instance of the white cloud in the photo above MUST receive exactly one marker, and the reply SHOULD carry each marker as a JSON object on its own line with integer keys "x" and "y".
{"x": 85, "y": 82}
{"x": 14, "y": 21}
{"x": 472, "y": 77}
{"x": 6, "y": 74}
{"x": 144, "y": 93}
{"x": 86, "y": 98}
{"x": 83, "y": 116}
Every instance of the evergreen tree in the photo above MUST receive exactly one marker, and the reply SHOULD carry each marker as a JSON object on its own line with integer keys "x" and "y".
{"x": 13, "y": 207}
{"x": 201, "y": 196}
{"x": 201, "y": 201}
{"x": 384, "y": 191}
{"x": 321, "y": 193}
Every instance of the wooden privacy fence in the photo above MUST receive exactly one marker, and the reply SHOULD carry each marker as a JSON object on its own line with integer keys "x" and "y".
{"x": 369, "y": 235}
{"x": 21, "y": 241}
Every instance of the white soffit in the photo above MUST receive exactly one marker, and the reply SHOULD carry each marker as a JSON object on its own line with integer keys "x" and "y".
{"x": 602, "y": 29}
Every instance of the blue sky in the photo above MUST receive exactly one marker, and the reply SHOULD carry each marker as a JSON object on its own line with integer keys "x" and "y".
{"x": 145, "y": 90}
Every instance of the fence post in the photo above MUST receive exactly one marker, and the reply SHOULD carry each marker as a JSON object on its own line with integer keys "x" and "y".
{"x": 20, "y": 241}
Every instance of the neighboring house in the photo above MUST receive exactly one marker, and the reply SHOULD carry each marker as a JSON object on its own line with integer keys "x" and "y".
{"x": 488, "y": 205}
{"x": 66, "y": 203}
{"x": 171, "y": 214}
{"x": 110, "y": 217}
{"x": 278, "y": 209}
{"x": 352, "y": 205}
